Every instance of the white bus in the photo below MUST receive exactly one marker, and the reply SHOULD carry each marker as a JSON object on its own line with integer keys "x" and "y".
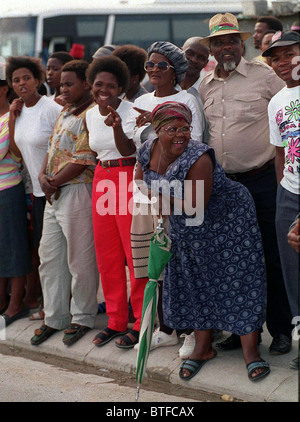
{"x": 37, "y": 27}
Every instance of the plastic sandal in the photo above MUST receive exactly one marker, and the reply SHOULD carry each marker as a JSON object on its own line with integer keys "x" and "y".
{"x": 74, "y": 333}
{"x": 129, "y": 343}
{"x": 193, "y": 366}
{"x": 39, "y": 315}
{"x": 253, "y": 366}
{"x": 107, "y": 335}
{"x": 42, "y": 334}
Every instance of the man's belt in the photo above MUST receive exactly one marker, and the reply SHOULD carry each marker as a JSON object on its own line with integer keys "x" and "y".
{"x": 235, "y": 176}
{"x": 118, "y": 163}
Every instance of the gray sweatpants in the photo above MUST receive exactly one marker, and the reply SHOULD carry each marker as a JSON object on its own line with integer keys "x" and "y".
{"x": 68, "y": 266}
{"x": 287, "y": 208}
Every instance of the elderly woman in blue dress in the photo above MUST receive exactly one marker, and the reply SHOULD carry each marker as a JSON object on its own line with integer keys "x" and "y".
{"x": 216, "y": 276}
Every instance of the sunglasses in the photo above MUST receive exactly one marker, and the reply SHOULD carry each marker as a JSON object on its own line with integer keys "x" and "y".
{"x": 164, "y": 66}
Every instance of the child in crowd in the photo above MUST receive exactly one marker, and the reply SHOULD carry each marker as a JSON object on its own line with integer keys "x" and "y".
{"x": 284, "y": 121}
{"x": 68, "y": 263}
{"x": 54, "y": 67}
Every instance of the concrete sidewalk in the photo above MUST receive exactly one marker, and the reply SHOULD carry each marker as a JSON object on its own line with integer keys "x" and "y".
{"x": 226, "y": 374}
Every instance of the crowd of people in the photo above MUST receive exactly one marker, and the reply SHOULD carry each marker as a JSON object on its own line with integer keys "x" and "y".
{"x": 77, "y": 168}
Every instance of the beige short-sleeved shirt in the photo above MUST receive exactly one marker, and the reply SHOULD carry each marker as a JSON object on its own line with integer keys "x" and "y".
{"x": 237, "y": 112}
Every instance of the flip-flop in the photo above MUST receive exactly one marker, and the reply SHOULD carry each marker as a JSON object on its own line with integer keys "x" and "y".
{"x": 107, "y": 335}
{"x": 9, "y": 320}
{"x": 193, "y": 366}
{"x": 253, "y": 366}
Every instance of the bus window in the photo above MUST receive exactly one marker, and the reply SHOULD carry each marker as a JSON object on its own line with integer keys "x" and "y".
{"x": 88, "y": 30}
{"x": 141, "y": 30}
{"x": 186, "y": 26}
{"x": 91, "y": 26}
{"x": 17, "y": 36}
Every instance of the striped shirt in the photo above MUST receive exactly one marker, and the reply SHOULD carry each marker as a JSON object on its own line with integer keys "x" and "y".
{"x": 9, "y": 164}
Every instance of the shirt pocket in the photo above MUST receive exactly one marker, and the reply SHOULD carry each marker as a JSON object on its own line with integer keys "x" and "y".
{"x": 209, "y": 107}
{"x": 248, "y": 106}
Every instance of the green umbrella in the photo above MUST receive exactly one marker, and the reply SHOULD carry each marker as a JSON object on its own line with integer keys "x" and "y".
{"x": 159, "y": 256}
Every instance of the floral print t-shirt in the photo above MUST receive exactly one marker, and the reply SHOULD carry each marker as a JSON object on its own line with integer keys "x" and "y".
{"x": 284, "y": 121}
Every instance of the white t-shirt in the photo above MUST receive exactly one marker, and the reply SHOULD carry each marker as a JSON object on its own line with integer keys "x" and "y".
{"x": 284, "y": 122}
{"x": 150, "y": 101}
{"x": 32, "y": 132}
{"x": 101, "y": 136}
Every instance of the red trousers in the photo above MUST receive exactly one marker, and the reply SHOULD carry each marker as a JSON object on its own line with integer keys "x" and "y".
{"x": 112, "y": 225}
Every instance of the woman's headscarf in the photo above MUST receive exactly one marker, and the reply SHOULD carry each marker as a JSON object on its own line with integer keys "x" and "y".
{"x": 174, "y": 54}
{"x": 170, "y": 110}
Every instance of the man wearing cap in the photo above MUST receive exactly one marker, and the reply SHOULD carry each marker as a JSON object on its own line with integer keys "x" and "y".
{"x": 235, "y": 97}
{"x": 284, "y": 122}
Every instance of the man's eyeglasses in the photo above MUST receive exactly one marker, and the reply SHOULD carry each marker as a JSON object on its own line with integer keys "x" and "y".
{"x": 164, "y": 66}
{"x": 172, "y": 131}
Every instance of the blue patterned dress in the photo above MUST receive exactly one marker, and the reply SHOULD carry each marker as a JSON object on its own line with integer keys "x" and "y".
{"x": 216, "y": 277}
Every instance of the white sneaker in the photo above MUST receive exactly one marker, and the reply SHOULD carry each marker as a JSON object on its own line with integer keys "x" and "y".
{"x": 160, "y": 339}
{"x": 188, "y": 346}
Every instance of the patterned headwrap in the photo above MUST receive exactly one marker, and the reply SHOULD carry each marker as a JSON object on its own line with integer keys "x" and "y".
{"x": 167, "y": 112}
{"x": 172, "y": 53}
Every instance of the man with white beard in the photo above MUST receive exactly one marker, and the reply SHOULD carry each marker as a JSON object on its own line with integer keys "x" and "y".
{"x": 235, "y": 98}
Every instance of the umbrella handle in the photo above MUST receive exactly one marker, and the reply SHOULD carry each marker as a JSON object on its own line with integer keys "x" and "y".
{"x": 160, "y": 223}
{"x": 137, "y": 393}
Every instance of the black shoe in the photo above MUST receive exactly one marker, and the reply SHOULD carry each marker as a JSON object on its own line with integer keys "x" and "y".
{"x": 280, "y": 345}
{"x": 233, "y": 342}
{"x": 22, "y": 314}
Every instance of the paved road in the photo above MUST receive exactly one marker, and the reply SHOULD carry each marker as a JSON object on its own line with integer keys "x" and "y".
{"x": 25, "y": 380}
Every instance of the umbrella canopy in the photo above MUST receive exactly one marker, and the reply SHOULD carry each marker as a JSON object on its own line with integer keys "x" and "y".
{"x": 159, "y": 256}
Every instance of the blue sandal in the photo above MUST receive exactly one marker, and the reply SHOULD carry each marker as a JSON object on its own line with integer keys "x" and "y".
{"x": 253, "y": 366}
{"x": 193, "y": 366}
